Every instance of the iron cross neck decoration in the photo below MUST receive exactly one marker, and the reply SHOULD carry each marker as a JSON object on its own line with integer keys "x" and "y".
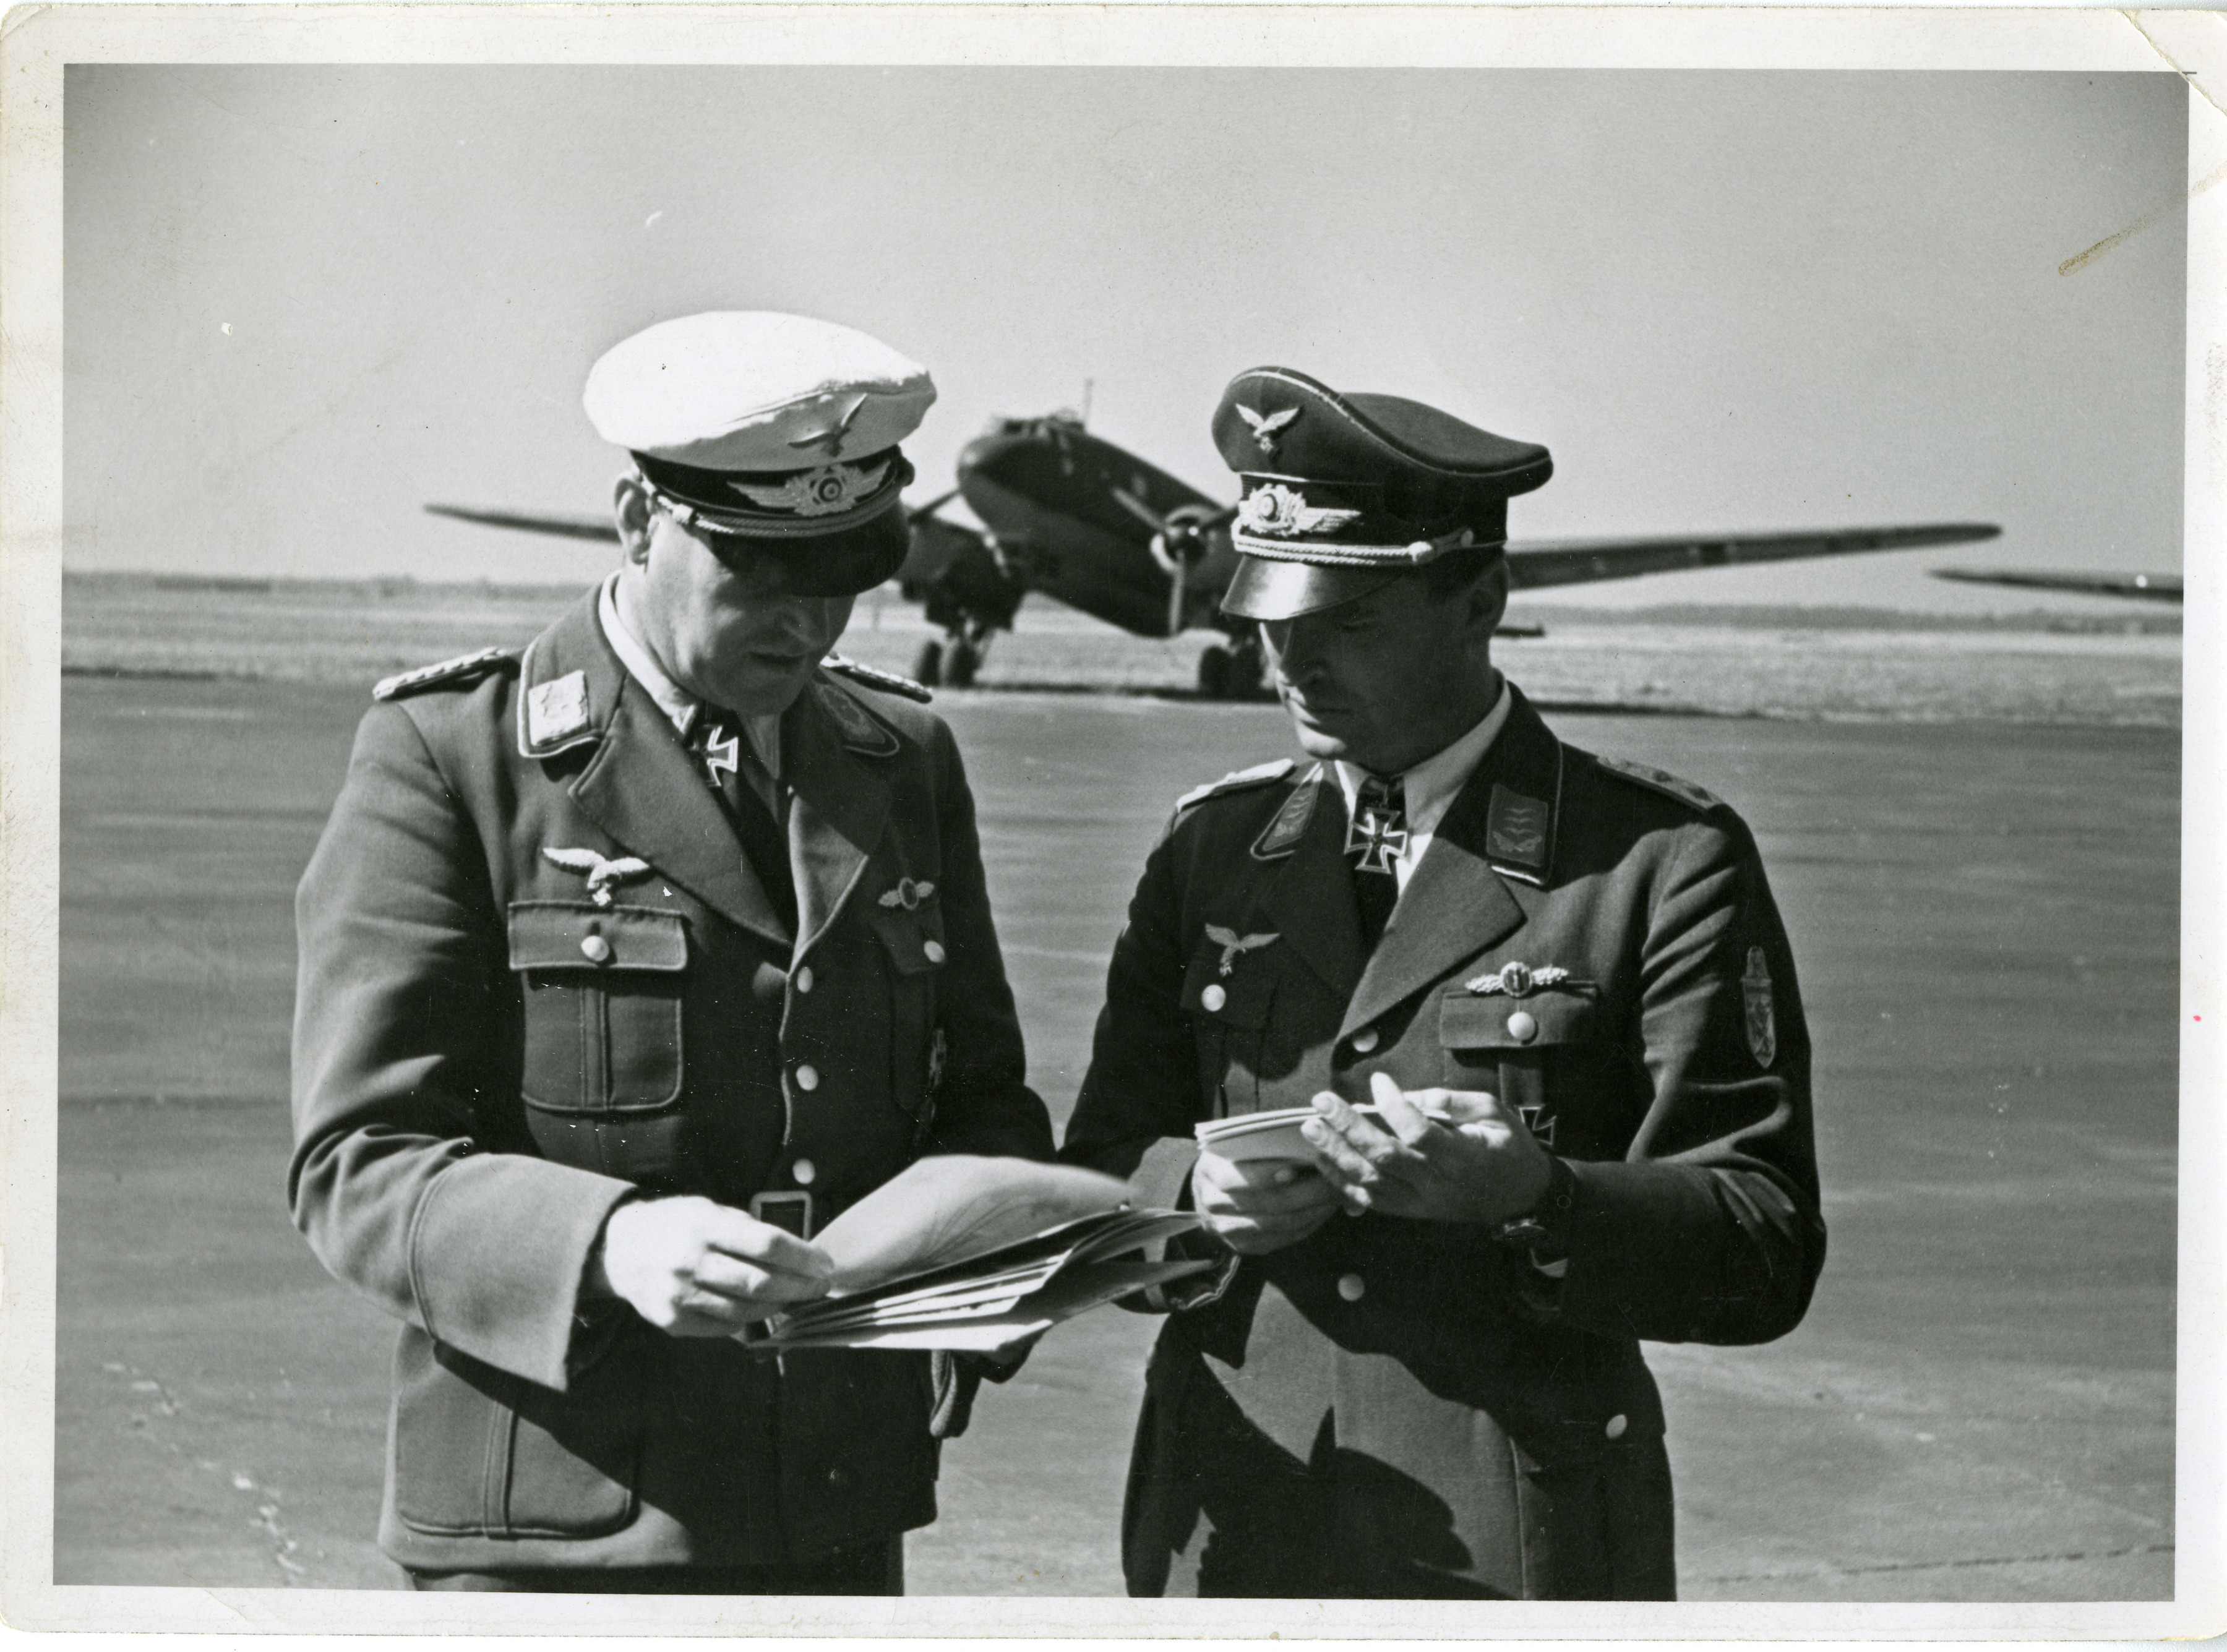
{"x": 1378, "y": 834}
{"x": 720, "y": 749}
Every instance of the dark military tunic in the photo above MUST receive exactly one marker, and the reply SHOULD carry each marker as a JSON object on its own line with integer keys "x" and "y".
{"x": 1394, "y": 1407}
{"x": 494, "y": 1046}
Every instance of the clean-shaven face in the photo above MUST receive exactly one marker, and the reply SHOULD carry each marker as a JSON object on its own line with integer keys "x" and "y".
{"x": 1383, "y": 680}
{"x": 730, "y": 634}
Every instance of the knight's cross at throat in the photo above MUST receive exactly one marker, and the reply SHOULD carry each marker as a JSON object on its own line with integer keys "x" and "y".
{"x": 1379, "y": 828}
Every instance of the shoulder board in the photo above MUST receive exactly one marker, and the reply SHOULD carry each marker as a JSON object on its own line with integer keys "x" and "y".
{"x": 461, "y": 668}
{"x": 1683, "y": 791}
{"x": 1237, "y": 780}
{"x": 888, "y": 681}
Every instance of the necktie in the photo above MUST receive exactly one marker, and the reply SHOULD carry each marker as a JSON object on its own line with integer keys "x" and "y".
{"x": 1377, "y": 832}
{"x": 719, "y": 742}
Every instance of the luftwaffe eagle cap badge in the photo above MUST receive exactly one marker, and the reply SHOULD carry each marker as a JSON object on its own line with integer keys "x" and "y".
{"x": 1343, "y": 493}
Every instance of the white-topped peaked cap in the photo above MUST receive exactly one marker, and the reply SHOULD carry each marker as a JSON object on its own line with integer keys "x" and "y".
{"x": 752, "y": 423}
{"x": 755, "y": 390}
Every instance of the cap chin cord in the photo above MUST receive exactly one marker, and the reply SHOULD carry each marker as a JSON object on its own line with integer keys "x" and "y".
{"x": 1389, "y": 557}
{"x": 1423, "y": 551}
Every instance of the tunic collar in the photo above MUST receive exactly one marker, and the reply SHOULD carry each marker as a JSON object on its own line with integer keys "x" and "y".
{"x": 680, "y": 707}
{"x": 1430, "y": 787}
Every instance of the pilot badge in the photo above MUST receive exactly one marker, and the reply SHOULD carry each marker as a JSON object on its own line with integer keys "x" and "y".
{"x": 1521, "y": 980}
{"x": 1762, "y": 1023}
{"x": 907, "y": 894}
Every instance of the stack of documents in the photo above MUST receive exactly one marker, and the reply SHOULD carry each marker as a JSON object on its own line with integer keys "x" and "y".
{"x": 1273, "y": 1134}
{"x": 977, "y": 1255}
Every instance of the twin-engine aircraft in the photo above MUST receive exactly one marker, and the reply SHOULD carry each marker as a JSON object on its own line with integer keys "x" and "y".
{"x": 1072, "y": 516}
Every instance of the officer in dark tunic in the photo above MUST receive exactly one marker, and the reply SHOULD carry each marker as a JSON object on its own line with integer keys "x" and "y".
{"x": 625, "y": 965}
{"x": 1563, "y": 984}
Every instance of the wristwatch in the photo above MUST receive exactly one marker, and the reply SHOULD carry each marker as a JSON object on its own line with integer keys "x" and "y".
{"x": 1544, "y": 1228}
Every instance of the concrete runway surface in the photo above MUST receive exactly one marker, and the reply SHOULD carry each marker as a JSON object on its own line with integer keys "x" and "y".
{"x": 1979, "y": 1407}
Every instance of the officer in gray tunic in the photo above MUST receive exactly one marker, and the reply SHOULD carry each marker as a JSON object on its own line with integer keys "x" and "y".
{"x": 1560, "y": 981}
{"x": 628, "y": 963}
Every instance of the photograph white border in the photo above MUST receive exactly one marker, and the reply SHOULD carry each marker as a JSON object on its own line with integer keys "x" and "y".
{"x": 37, "y": 43}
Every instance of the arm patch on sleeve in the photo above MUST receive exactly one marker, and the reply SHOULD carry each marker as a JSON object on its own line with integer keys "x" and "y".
{"x": 464, "y": 668}
{"x": 1683, "y": 791}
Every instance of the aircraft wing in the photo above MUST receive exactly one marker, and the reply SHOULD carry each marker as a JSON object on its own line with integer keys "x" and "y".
{"x": 1536, "y": 563}
{"x": 569, "y": 527}
{"x": 2157, "y": 588}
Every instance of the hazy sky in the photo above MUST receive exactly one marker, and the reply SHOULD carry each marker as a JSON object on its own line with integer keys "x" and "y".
{"x": 302, "y": 301}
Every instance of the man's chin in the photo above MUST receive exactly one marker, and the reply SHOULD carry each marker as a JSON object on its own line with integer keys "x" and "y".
{"x": 761, "y": 685}
{"x": 1318, "y": 742}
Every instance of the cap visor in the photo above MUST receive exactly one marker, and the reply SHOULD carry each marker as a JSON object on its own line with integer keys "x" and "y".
{"x": 847, "y": 564}
{"x": 1265, "y": 590}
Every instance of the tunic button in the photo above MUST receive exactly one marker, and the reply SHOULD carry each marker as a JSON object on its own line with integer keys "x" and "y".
{"x": 1522, "y": 1028}
{"x": 807, "y": 1077}
{"x": 804, "y": 1170}
{"x": 596, "y": 950}
{"x": 1617, "y": 1425}
{"x": 803, "y": 978}
{"x": 1364, "y": 1041}
{"x": 1213, "y": 998}
{"x": 932, "y": 950}
{"x": 838, "y": 1477}
{"x": 1351, "y": 1286}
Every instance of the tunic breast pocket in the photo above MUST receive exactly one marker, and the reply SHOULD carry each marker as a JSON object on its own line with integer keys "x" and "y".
{"x": 602, "y": 988}
{"x": 1532, "y": 1052}
{"x": 912, "y": 941}
{"x": 1229, "y": 1018}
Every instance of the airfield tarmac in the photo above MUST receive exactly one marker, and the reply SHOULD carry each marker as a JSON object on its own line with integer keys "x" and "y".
{"x": 1979, "y": 1406}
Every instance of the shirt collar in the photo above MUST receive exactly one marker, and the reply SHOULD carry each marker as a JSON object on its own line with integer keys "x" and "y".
{"x": 680, "y": 707}
{"x": 1430, "y": 787}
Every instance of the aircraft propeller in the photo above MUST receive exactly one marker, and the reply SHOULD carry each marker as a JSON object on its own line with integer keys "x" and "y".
{"x": 1179, "y": 541}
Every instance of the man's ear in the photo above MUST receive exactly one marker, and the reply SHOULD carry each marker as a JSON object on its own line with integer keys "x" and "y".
{"x": 632, "y": 511}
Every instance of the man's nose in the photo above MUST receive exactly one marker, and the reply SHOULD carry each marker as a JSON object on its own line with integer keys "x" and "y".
{"x": 811, "y": 622}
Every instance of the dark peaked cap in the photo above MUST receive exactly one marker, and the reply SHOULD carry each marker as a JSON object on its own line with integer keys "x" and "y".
{"x": 1342, "y": 494}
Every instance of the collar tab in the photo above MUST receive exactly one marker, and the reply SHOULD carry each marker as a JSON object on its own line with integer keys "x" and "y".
{"x": 1283, "y": 833}
{"x": 859, "y": 731}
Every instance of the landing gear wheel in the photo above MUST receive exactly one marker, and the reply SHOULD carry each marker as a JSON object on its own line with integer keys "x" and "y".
{"x": 959, "y": 666}
{"x": 928, "y": 665}
{"x": 1214, "y": 673}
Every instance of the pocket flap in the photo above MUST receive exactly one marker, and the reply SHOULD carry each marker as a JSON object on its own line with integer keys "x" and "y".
{"x": 913, "y": 940}
{"x": 1467, "y": 1021}
{"x": 579, "y": 935}
{"x": 1240, "y": 998}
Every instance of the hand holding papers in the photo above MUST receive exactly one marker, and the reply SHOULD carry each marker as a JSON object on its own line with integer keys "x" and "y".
{"x": 1274, "y": 1134}
{"x": 977, "y": 1255}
